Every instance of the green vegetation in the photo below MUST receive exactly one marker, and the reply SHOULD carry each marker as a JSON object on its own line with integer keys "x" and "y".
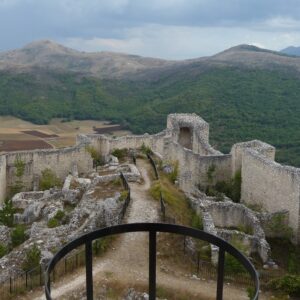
{"x": 120, "y": 153}
{"x": 17, "y": 187}
{"x": 279, "y": 226}
{"x": 57, "y": 220}
{"x": 288, "y": 284}
{"x": 95, "y": 155}
{"x": 49, "y": 180}
{"x": 174, "y": 174}
{"x": 123, "y": 196}
{"x": 7, "y": 213}
{"x": 3, "y": 250}
{"x": 286, "y": 254}
{"x": 146, "y": 149}
{"x": 239, "y": 103}
{"x": 18, "y": 235}
{"x": 101, "y": 245}
{"x": 231, "y": 189}
{"x": 32, "y": 259}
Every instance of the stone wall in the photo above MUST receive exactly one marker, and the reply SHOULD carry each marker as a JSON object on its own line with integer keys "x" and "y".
{"x": 105, "y": 145}
{"x": 238, "y": 149}
{"x": 2, "y": 178}
{"x": 193, "y": 167}
{"x": 273, "y": 186}
{"x": 60, "y": 161}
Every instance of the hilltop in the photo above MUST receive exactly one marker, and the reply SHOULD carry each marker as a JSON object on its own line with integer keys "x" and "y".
{"x": 291, "y": 50}
{"x": 245, "y": 92}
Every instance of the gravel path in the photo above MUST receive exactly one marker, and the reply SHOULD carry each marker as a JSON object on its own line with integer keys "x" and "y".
{"x": 128, "y": 260}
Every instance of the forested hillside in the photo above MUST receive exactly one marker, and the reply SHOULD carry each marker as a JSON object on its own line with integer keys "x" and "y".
{"x": 239, "y": 103}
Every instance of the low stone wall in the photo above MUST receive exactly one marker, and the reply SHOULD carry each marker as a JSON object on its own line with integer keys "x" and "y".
{"x": 216, "y": 216}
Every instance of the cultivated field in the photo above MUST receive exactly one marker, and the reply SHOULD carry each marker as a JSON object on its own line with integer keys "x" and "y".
{"x": 16, "y": 134}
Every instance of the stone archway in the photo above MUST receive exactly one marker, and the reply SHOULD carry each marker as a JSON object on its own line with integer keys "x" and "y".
{"x": 185, "y": 137}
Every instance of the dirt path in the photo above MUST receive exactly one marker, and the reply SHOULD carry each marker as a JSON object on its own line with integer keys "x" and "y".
{"x": 127, "y": 262}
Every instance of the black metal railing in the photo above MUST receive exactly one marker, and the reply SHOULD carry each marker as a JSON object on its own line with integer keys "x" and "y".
{"x": 152, "y": 229}
{"x": 127, "y": 199}
{"x": 162, "y": 207}
{"x": 153, "y": 165}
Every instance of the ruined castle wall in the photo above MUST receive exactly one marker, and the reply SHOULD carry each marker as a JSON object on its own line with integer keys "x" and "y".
{"x": 193, "y": 167}
{"x": 2, "y": 178}
{"x": 60, "y": 161}
{"x": 199, "y": 129}
{"x": 271, "y": 185}
{"x": 106, "y": 145}
{"x": 238, "y": 149}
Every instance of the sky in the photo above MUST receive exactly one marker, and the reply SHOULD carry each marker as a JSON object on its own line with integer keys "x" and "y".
{"x": 170, "y": 29}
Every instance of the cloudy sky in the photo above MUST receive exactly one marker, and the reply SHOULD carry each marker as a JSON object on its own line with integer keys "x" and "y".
{"x": 173, "y": 29}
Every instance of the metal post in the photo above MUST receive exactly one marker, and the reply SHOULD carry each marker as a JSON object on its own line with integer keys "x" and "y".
{"x": 26, "y": 282}
{"x": 41, "y": 275}
{"x": 89, "y": 270}
{"x": 198, "y": 262}
{"x": 152, "y": 265}
{"x": 220, "y": 274}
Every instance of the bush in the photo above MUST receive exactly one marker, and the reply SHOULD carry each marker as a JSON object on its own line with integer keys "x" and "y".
{"x": 3, "y": 250}
{"x": 95, "y": 155}
{"x": 59, "y": 215}
{"x": 18, "y": 235}
{"x": 49, "y": 180}
{"x": 120, "y": 153}
{"x": 174, "y": 174}
{"x": 7, "y": 213}
{"x": 123, "y": 195}
{"x": 197, "y": 221}
{"x": 232, "y": 265}
{"x": 146, "y": 149}
{"x": 52, "y": 223}
{"x": 32, "y": 259}
{"x": 289, "y": 284}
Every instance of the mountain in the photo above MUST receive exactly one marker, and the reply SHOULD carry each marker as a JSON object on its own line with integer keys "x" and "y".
{"x": 52, "y": 56}
{"x": 291, "y": 51}
{"x": 243, "y": 92}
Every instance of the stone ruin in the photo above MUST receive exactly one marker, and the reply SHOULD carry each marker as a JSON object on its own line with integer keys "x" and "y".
{"x": 83, "y": 205}
{"x": 273, "y": 187}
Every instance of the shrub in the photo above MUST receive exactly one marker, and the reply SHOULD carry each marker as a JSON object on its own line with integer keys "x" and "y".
{"x": 52, "y": 223}
{"x": 251, "y": 292}
{"x": 32, "y": 259}
{"x": 232, "y": 265}
{"x": 3, "y": 250}
{"x": 123, "y": 195}
{"x": 59, "y": 215}
{"x": 120, "y": 153}
{"x": 146, "y": 149}
{"x": 289, "y": 284}
{"x": 18, "y": 235}
{"x": 197, "y": 221}
{"x": 95, "y": 155}
{"x": 7, "y": 213}
{"x": 49, "y": 180}
{"x": 174, "y": 174}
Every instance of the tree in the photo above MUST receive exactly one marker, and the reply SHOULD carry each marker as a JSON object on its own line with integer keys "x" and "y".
{"x": 7, "y": 213}
{"x": 49, "y": 180}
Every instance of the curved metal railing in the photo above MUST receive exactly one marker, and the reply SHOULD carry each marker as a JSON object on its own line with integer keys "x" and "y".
{"x": 152, "y": 229}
